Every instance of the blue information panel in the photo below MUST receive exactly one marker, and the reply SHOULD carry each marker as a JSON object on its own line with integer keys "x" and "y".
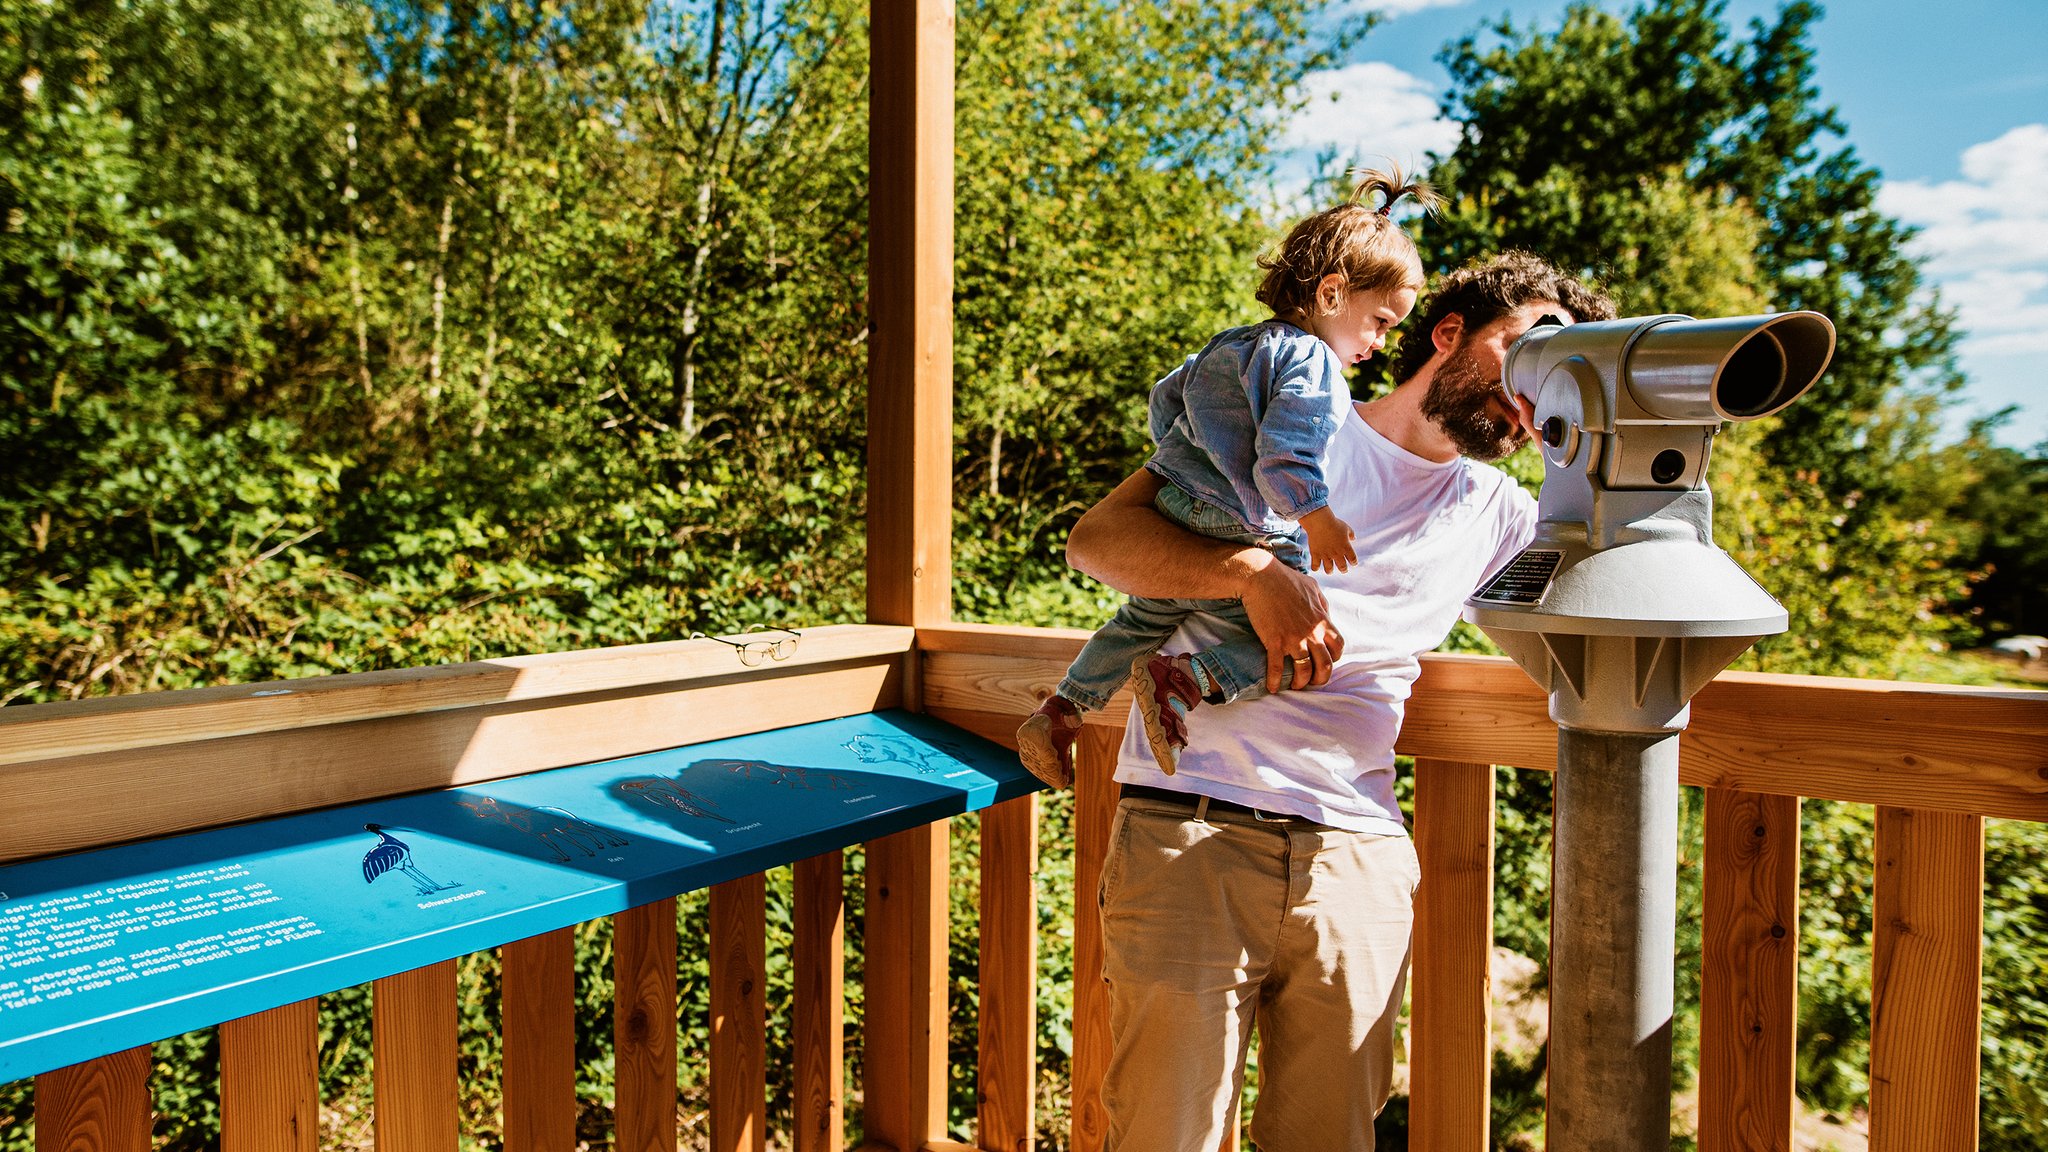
{"x": 105, "y": 950}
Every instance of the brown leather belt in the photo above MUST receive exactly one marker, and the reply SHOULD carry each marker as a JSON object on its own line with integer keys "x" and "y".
{"x": 1190, "y": 800}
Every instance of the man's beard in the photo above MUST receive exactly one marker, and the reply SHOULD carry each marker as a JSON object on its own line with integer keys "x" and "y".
{"x": 1457, "y": 403}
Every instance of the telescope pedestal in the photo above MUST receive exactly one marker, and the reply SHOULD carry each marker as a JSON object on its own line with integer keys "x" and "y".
{"x": 1612, "y": 937}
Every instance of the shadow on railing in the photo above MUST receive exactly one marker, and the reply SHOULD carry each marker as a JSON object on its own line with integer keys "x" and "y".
{"x": 1935, "y": 761}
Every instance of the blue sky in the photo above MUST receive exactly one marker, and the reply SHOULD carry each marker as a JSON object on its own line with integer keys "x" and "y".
{"x": 1949, "y": 101}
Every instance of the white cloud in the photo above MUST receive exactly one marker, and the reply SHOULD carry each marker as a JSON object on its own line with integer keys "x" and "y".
{"x": 1984, "y": 240}
{"x": 1369, "y": 111}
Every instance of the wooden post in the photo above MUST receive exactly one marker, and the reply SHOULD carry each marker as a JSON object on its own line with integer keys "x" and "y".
{"x": 910, "y": 312}
{"x": 644, "y": 1027}
{"x": 819, "y": 956}
{"x": 739, "y": 1015}
{"x": 1926, "y": 967}
{"x": 99, "y": 1106}
{"x": 1095, "y": 798}
{"x": 1009, "y": 985}
{"x": 1749, "y": 972}
{"x": 270, "y": 1080}
{"x": 539, "y": 1027}
{"x": 904, "y": 1070}
{"x": 412, "y": 1030}
{"x": 1451, "y": 1060}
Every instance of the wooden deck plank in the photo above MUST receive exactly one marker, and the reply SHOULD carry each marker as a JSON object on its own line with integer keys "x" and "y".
{"x": 1009, "y": 970}
{"x": 30, "y": 732}
{"x": 1095, "y": 803}
{"x": 413, "y": 1060}
{"x": 1926, "y": 968}
{"x": 208, "y": 783}
{"x": 99, "y": 1106}
{"x": 910, "y": 311}
{"x": 1451, "y": 1062}
{"x": 1749, "y": 975}
{"x": 904, "y": 1071}
{"x": 538, "y": 1022}
{"x": 739, "y": 1015}
{"x": 819, "y": 957}
{"x": 644, "y": 1027}
{"x": 270, "y": 1080}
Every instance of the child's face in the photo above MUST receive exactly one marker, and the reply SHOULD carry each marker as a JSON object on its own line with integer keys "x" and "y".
{"x": 1360, "y": 327}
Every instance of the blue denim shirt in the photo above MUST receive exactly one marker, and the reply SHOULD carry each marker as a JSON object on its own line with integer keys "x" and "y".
{"x": 1244, "y": 423}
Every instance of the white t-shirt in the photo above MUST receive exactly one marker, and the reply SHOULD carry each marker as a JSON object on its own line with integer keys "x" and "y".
{"x": 1428, "y": 534}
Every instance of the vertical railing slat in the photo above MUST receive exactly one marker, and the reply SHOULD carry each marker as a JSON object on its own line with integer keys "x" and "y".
{"x": 1095, "y": 798}
{"x": 644, "y": 1027}
{"x": 904, "y": 1070}
{"x": 538, "y": 994}
{"x": 270, "y": 1080}
{"x": 413, "y": 1022}
{"x": 739, "y": 1015}
{"x": 819, "y": 957}
{"x": 98, "y": 1106}
{"x": 1749, "y": 972}
{"x": 1926, "y": 970}
{"x": 1451, "y": 1061}
{"x": 1009, "y": 961}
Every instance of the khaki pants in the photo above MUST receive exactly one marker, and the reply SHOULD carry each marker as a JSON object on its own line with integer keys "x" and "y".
{"x": 1214, "y": 925}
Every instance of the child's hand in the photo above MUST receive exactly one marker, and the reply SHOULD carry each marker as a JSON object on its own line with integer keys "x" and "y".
{"x": 1329, "y": 541}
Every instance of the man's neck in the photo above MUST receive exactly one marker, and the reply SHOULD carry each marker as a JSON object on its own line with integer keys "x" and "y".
{"x": 1398, "y": 416}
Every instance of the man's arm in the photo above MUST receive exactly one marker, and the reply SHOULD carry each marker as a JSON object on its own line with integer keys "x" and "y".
{"x": 1125, "y": 543}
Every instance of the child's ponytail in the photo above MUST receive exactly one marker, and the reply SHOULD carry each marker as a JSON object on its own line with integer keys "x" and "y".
{"x": 1357, "y": 239}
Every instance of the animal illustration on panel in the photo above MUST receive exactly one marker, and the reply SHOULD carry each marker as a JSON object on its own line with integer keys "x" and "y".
{"x": 783, "y": 775}
{"x": 666, "y": 793}
{"x": 884, "y": 748}
{"x": 390, "y": 854}
{"x": 558, "y": 828}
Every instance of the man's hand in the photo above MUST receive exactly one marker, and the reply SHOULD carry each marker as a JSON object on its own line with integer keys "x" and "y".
{"x": 1329, "y": 541}
{"x": 1292, "y": 619}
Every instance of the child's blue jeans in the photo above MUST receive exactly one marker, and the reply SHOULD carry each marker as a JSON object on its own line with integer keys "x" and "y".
{"x": 1236, "y": 664}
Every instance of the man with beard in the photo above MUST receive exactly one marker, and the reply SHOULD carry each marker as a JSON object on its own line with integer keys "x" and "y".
{"x": 1269, "y": 881}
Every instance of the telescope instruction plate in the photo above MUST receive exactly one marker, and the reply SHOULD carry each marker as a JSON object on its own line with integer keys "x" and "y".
{"x": 1525, "y": 580}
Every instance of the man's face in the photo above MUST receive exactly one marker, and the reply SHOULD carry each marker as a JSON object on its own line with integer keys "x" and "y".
{"x": 1465, "y": 398}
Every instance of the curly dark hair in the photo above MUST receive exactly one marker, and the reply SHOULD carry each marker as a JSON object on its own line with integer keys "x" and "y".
{"x": 1488, "y": 290}
{"x": 1355, "y": 240}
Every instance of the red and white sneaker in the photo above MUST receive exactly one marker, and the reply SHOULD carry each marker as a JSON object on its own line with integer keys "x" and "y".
{"x": 1166, "y": 691}
{"x": 1045, "y": 742}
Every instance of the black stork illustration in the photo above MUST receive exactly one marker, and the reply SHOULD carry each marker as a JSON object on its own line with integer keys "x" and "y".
{"x": 390, "y": 854}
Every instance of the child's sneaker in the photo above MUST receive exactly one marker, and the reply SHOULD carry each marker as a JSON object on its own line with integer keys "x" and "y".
{"x": 1165, "y": 687}
{"x": 1045, "y": 741}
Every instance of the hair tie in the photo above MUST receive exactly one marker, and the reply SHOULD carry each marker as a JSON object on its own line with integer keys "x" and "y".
{"x": 1386, "y": 209}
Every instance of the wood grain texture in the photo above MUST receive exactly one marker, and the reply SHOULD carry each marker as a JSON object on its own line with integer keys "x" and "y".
{"x": 1095, "y": 800}
{"x": 904, "y": 1069}
{"x": 739, "y": 1015}
{"x": 819, "y": 959}
{"x": 1925, "y": 995}
{"x": 413, "y": 1068}
{"x": 644, "y": 1027}
{"x": 207, "y": 783}
{"x": 270, "y": 1080}
{"x": 539, "y": 1037}
{"x": 32, "y": 732}
{"x": 1749, "y": 971}
{"x": 99, "y": 1106}
{"x": 910, "y": 311}
{"x": 1009, "y": 969}
{"x": 1931, "y": 747}
{"x": 1451, "y": 1062}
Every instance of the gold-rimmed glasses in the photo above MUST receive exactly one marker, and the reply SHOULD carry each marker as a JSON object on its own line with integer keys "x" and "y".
{"x": 756, "y": 652}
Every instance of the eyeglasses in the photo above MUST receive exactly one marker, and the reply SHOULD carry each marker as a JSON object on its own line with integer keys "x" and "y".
{"x": 756, "y": 652}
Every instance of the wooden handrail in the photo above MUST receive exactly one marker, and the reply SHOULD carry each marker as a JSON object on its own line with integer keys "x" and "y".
{"x": 1935, "y": 759}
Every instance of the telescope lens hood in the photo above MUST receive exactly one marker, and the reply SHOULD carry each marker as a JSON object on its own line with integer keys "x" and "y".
{"x": 1733, "y": 368}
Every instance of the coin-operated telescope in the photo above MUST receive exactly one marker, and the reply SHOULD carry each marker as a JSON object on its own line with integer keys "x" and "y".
{"x": 1622, "y": 608}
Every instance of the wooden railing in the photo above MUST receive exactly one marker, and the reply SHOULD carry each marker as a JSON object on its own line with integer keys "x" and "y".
{"x": 1935, "y": 761}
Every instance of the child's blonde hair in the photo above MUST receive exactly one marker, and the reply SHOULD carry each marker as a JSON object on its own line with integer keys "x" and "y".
{"x": 1356, "y": 240}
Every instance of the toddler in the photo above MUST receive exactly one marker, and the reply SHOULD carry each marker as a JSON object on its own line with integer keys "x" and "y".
{"x": 1241, "y": 429}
